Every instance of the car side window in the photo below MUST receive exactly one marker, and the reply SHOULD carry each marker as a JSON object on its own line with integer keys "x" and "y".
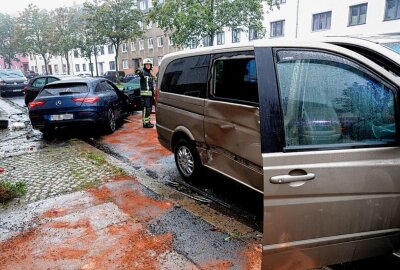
{"x": 328, "y": 99}
{"x": 100, "y": 88}
{"x": 39, "y": 83}
{"x": 236, "y": 79}
{"x": 187, "y": 76}
{"x": 109, "y": 87}
{"x": 51, "y": 79}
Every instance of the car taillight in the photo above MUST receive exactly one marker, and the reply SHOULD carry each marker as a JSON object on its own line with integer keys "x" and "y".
{"x": 87, "y": 99}
{"x": 36, "y": 104}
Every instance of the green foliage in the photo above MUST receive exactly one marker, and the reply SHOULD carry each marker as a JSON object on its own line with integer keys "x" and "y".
{"x": 66, "y": 23}
{"x": 191, "y": 20}
{"x": 114, "y": 20}
{"x": 10, "y": 190}
{"x": 36, "y": 32}
{"x": 8, "y": 40}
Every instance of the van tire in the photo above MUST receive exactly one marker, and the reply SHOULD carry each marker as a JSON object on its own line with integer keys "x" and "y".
{"x": 187, "y": 160}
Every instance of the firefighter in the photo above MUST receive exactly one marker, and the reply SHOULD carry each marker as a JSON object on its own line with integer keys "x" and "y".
{"x": 146, "y": 91}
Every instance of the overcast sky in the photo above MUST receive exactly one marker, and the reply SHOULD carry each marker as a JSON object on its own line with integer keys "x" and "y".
{"x": 13, "y": 7}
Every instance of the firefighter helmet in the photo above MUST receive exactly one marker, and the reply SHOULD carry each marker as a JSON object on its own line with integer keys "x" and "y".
{"x": 147, "y": 61}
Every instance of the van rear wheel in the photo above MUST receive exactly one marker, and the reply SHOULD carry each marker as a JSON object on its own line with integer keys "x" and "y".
{"x": 187, "y": 160}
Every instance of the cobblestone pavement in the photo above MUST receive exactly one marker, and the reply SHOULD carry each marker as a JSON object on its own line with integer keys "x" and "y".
{"x": 55, "y": 170}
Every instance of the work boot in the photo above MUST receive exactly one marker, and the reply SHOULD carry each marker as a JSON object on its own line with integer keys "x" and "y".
{"x": 148, "y": 125}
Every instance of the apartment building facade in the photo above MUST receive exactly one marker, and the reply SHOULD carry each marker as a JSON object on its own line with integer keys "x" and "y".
{"x": 305, "y": 19}
{"x": 154, "y": 45}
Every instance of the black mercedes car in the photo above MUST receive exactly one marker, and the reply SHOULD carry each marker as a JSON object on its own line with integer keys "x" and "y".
{"x": 12, "y": 81}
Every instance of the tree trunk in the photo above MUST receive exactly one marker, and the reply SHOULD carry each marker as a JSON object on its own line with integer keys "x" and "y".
{"x": 68, "y": 67}
{"x": 95, "y": 62}
{"x": 116, "y": 45}
{"x": 45, "y": 63}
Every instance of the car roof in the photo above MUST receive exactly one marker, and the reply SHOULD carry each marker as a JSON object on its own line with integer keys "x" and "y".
{"x": 89, "y": 81}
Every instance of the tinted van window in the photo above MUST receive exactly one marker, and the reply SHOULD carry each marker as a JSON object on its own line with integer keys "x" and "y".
{"x": 236, "y": 79}
{"x": 330, "y": 100}
{"x": 187, "y": 76}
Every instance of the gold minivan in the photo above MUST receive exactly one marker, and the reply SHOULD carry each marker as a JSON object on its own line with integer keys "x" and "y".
{"x": 314, "y": 126}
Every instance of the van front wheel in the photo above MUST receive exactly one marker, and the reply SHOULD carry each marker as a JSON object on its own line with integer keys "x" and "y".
{"x": 187, "y": 160}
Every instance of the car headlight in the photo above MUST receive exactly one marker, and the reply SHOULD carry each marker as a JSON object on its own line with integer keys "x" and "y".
{"x": 25, "y": 82}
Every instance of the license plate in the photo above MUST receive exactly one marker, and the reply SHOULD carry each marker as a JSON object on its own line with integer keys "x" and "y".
{"x": 58, "y": 117}
{"x": 17, "y": 90}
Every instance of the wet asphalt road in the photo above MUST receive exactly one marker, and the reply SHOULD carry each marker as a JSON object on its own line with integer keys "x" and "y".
{"x": 245, "y": 204}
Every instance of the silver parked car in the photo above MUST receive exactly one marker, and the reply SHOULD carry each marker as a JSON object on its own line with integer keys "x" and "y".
{"x": 314, "y": 126}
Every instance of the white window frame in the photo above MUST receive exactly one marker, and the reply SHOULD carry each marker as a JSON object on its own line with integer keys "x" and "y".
{"x": 150, "y": 43}
{"x": 221, "y": 38}
{"x": 124, "y": 47}
{"x": 318, "y": 16}
{"x": 236, "y": 35}
{"x": 160, "y": 41}
{"x": 133, "y": 46}
{"x": 125, "y": 64}
{"x": 141, "y": 45}
{"x": 273, "y": 30}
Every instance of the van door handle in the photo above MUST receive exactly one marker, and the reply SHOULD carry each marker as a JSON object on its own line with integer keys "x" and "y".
{"x": 283, "y": 179}
{"x": 226, "y": 125}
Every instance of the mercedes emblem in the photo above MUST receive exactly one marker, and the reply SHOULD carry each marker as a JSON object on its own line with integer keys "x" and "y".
{"x": 58, "y": 102}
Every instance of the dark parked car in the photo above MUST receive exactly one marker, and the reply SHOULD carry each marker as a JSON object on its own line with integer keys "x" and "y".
{"x": 112, "y": 75}
{"x": 12, "y": 81}
{"x": 32, "y": 89}
{"x": 30, "y": 74}
{"x": 94, "y": 101}
{"x": 132, "y": 91}
{"x": 128, "y": 77}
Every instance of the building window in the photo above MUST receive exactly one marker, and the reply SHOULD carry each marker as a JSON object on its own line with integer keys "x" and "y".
{"x": 133, "y": 47}
{"x": 142, "y": 5}
{"x": 141, "y": 44}
{"x": 124, "y": 47}
{"x": 277, "y": 29}
{"x": 125, "y": 64}
{"x": 278, "y": 2}
{"x": 76, "y": 54}
{"x": 140, "y": 24}
{"x": 112, "y": 65}
{"x": 77, "y": 69}
{"x": 235, "y": 35}
{"x": 322, "y": 21}
{"x": 206, "y": 41}
{"x": 358, "y": 14}
{"x": 110, "y": 49}
{"x": 193, "y": 44}
{"x": 83, "y": 67}
{"x": 392, "y": 11}
{"x": 160, "y": 41}
{"x": 253, "y": 34}
{"x": 149, "y": 25}
{"x": 221, "y": 38}
{"x": 64, "y": 68}
{"x": 150, "y": 43}
{"x": 101, "y": 50}
{"x": 170, "y": 41}
{"x": 55, "y": 68}
{"x": 159, "y": 60}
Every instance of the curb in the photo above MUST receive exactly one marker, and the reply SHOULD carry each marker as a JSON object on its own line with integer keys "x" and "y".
{"x": 3, "y": 119}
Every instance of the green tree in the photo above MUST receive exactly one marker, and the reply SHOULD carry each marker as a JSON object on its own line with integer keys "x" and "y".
{"x": 66, "y": 28}
{"x": 116, "y": 21}
{"x": 8, "y": 41}
{"x": 192, "y": 20}
{"x": 36, "y": 33}
{"x": 90, "y": 37}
